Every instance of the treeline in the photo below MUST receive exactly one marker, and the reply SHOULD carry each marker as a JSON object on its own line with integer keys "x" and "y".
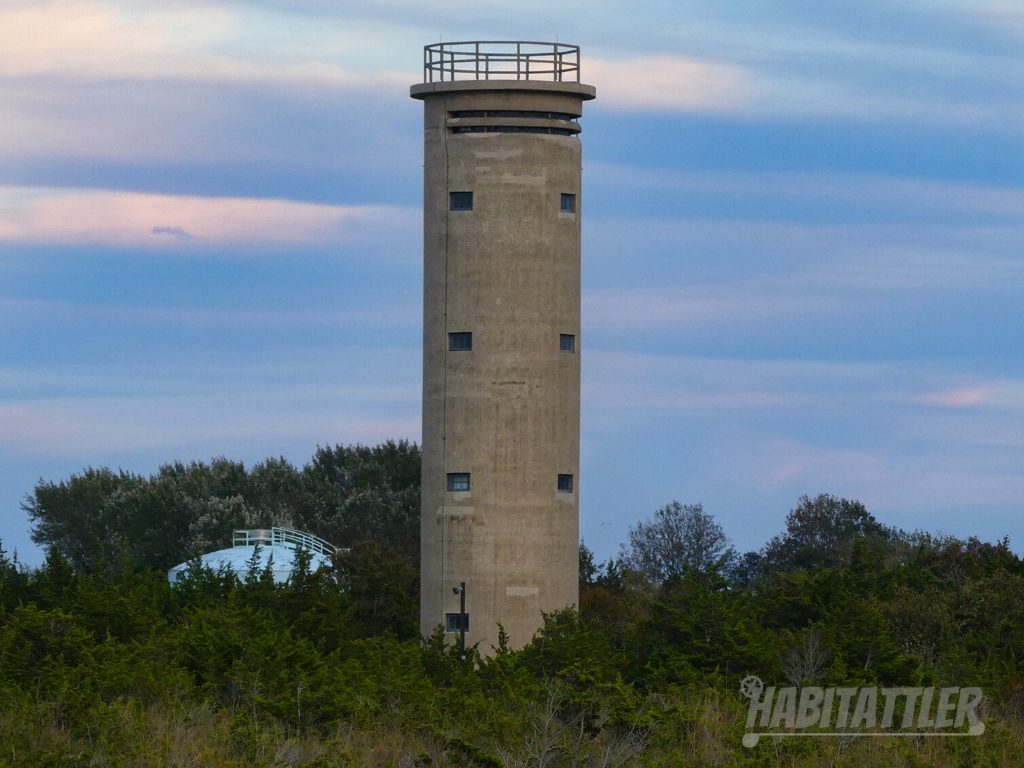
{"x": 111, "y": 666}
{"x": 343, "y": 494}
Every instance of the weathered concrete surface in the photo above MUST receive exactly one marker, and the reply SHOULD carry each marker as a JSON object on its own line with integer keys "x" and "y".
{"x": 508, "y": 412}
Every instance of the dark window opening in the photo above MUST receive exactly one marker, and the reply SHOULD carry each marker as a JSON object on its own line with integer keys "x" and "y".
{"x": 520, "y": 113}
{"x": 511, "y": 129}
{"x": 567, "y": 342}
{"x": 458, "y": 482}
{"x": 460, "y": 201}
{"x": 457, "y": 622}
{"x": 565, "y": 483}
{"x": 460, "y": 342}
{"x": 568, "y": 204}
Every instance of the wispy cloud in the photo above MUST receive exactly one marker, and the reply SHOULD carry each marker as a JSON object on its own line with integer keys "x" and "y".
{"x": 960, "y": 397}
{"x": 737, "y": 304}
{"x": 887, "y": 480}
{"x": 74, "y": 216}
{"x": 184, "y": 316}
{"x": 90, "y": 39}
{"x": 617, "y": 379}
{"x": 794, "y": 64}
{"x": 1003, "y": 15}
{"x": 101, "y": 428}
{"x": 669, "y": 82}
{"x": 295, "y": 395}
{"x": 828, "y": 289}
{"x": 630, "y": 380}
{"x": 175, "y": 232}
{"x": 707, "y": 273}
{"x": 173, "y": 82}
{"x": 908, "y": 439}
{"x": 886, "y": 270}
{"x": 853, "y": 191}
{"x": 917, "y": 63}
{"x": 1002, "y": 394}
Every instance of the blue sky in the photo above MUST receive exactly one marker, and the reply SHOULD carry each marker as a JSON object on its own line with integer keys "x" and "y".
{"x": 803, "y": 239}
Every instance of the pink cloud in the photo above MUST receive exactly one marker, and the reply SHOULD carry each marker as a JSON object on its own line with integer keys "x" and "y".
{"x": 73, "y": 311}
{"x": 667, "y": 82}
{"x": 961, "y": 397}
{"x": 89, "y": 38}
{"x": 885, "y": 480}
{"x": 102, "y": 427}
{"x": 45, "y": 215}
{"x": 102, "y": 39}
{"x": 738, "y": 304}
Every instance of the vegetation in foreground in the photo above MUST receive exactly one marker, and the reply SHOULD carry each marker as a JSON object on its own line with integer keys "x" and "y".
{"x": 102, "y": 663}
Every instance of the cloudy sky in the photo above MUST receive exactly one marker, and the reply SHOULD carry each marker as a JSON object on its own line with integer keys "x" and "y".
{"x": 803, "y": 245}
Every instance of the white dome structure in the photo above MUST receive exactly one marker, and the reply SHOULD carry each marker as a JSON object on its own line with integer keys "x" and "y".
{"x": 276, "y": 547}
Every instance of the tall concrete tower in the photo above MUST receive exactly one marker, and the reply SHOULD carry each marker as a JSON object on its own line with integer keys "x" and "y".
{"x": 501, "y": 336}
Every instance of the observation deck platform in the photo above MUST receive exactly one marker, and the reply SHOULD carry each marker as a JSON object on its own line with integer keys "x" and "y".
{"x": 500, "y": 65}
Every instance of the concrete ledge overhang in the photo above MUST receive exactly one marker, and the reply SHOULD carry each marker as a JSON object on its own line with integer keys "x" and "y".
{"x": 423, "y": 90}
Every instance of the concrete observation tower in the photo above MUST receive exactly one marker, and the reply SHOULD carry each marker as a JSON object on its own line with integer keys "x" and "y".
{"x": 501, "y": 336}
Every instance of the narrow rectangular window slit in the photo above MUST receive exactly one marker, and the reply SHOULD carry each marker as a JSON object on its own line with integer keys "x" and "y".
{"x": 568, "y": 203}
{"x": 460, "y": 201}
{"x": 458, "y": 482}
{"x": 565, "y": 483}
{"x": 461, "y": 341}
{"x": 457, "y": 622}
{"x": 567, "y": 342}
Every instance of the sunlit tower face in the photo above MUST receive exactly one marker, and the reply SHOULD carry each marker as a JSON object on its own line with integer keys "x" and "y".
{"x": 501, "y": 336}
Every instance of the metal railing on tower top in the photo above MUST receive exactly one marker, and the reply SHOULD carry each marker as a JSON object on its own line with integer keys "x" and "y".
{"x": 284, "y": 537}
{"x": 501, "y": 60}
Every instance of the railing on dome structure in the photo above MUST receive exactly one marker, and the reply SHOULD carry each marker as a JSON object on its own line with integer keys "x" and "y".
{"x": 501, "y": 60}
{"x": 283, "y": 537}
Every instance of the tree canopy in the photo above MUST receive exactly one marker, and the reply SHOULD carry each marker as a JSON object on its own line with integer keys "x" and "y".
{"x": 345, "y": 494}
{"x": 677, "y": 539}
{"x": 821, "y": 532}
{"x": 102, "y": 662}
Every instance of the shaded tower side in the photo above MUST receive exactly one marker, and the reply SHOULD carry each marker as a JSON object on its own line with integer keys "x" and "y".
{"x": 501, "y": 354}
